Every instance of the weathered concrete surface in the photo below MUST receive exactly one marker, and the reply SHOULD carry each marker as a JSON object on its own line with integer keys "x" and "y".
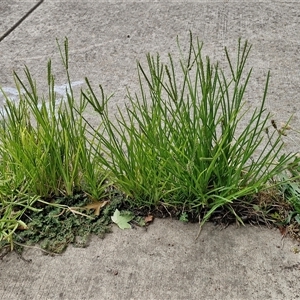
{"x": 11, "y": 12}
{"x": 165, "y": 262}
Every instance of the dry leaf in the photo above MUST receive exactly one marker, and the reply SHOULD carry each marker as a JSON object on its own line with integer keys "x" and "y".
{"x": 22, "y": 225}
{"x": 283, "y": 231}
{"x": 148, "y": 219}
{"x": 96, "y": 206}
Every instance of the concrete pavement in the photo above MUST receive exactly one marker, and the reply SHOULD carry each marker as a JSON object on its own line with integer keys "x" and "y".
{"x": 164, "y": 262}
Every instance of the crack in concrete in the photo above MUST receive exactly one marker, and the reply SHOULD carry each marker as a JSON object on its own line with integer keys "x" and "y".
{"x": 10, "y": 30}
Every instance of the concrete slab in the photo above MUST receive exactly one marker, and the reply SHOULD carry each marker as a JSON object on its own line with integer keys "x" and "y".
{"x": 164, "y": 262}
{"x": 12, "y": 14}
{"x": 106, "y": 39}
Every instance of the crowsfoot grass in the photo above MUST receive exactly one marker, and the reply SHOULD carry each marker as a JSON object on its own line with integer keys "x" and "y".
{"x": 180, "y": 140}
{"x": 44, "y": 150}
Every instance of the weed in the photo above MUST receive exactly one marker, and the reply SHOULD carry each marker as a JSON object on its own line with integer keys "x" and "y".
{"x": 178, "y": 145}
{"x": 45, "y": 151}
{"x": 180, "y": 141}
{"x": 184, "y": 217}
{"x": 54, "y": 228}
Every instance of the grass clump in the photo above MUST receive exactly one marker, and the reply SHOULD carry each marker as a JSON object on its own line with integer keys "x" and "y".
{"x": 180, "y": 141}
{"x": 44, "y": 153}
{"x": 179, "y": 144}
{"x": 44, "y": 143}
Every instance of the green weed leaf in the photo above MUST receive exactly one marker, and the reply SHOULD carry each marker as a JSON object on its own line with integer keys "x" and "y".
{"x": 297, "y": 218}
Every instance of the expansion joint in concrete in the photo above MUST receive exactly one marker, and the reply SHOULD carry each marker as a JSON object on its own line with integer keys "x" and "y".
{"x": 11, "y": 29}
